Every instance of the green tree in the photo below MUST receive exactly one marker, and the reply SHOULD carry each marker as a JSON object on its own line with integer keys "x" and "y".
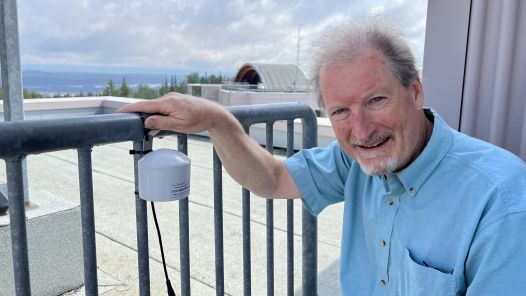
{"x": 144, "y": 91}
{"x": 165, "y": 88}
{"x": 173, "y": 83}
{"x": 192, "y": 77}
{"x": 204, "y": 79}
{"x": 181, "y": 88}
{"x": 124, "y": 89}
{"x": 28, "y": 94}
{"x": 109, "y": 90}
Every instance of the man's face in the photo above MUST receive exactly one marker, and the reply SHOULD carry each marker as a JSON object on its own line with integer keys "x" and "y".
{"x": 377, "y": 120}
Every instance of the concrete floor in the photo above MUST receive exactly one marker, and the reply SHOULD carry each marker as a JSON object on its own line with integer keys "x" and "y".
{"x": 56, "y": 174}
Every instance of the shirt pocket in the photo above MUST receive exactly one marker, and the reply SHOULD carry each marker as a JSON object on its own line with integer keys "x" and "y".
{"x": 416, "y": 279}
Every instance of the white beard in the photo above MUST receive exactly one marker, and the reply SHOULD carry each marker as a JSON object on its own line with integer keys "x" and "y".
{"x": 379, "y": 167}
{"x": 365, "y": 158}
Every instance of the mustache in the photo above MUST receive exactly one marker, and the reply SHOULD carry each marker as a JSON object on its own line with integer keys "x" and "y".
{"x": 371, "y": 140}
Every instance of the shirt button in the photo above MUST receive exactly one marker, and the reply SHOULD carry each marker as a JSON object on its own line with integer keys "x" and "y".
{"x": 390, "y": 201}
{"x": 382, "y": 283}
{"x": 382, "y": 243}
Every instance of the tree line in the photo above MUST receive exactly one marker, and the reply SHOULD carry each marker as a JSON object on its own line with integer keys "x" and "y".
{"x": 142, "y": 91}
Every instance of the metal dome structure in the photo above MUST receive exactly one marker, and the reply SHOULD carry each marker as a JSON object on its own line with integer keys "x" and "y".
{"x": 272, "y": 77}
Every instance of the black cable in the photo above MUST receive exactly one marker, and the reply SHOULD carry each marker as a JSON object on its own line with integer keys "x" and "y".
{"x": 171, "y": 291}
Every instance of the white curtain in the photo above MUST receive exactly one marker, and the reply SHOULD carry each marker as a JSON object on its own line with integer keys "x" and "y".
{"x": 494, "y": 94}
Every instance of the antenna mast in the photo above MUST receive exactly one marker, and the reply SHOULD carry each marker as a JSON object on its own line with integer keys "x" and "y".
{"x": 297, "y": 58}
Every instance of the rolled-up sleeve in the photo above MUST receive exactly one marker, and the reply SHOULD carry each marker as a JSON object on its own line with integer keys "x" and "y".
{"x": 320, "y": 174}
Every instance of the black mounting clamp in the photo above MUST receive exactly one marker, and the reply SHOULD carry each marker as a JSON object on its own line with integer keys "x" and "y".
{"x": 148, "y": 135}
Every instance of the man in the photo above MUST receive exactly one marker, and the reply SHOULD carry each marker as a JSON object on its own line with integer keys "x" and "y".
{"x": 428, "y": 211}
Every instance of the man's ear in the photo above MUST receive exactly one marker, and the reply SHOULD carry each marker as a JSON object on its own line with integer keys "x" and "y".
{"x": 417, "y": 92}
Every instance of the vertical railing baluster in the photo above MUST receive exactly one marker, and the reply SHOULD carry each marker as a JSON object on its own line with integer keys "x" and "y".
{"x": 270, "y": 220}
{"x": 184, "y": 232}
{"x": 247, "y": 274}
{"x": 309, "y": 223}
{"x": 87, "y": 213}
{"x": 290, "y": 217}
{"x": 17, "y": 220}
{"x": 218, "y": 225}
{"x": 141, "y": 218}
{"x": 11, "y": 78}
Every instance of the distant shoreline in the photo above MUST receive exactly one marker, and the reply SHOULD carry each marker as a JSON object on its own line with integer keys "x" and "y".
{"x": 77, "y": 82}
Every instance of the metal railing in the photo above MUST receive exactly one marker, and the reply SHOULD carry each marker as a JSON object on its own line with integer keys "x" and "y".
{"x": 21, "y": 138}
{"x": 261, "y": 88}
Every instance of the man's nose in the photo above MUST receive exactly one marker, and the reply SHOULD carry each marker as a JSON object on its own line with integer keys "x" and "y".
{"x": 359, "y": 124}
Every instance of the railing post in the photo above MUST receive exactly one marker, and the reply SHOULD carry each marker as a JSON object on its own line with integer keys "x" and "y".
{"x": 218, "y": 225}
{"x": 87, "y": 211}
{"x": 309, "y": 222}
{"x": 269, "y": 143}
{"x": 11, "y": 73}
{"x": 17, "y": 216}
{"x": 141, "y": 217}
{"x": 184, "y": 229}
{"x": 290, "y": 217}
{"x": 247, "y": 272}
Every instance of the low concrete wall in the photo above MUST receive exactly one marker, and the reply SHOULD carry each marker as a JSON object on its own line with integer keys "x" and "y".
{"x": 67, "y": 107}
{"x": 54, "y": 245}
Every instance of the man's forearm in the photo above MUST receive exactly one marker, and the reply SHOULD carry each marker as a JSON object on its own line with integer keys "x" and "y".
{"x": 248, "y": 163}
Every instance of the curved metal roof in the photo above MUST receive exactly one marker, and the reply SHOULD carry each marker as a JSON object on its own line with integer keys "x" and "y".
{"x": 273, "y": 77}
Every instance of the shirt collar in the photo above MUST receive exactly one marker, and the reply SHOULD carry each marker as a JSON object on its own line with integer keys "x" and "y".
{"x": 413, "y": 176}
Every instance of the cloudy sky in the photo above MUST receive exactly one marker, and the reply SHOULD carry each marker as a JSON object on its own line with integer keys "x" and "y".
{"x": 204, "y": 35}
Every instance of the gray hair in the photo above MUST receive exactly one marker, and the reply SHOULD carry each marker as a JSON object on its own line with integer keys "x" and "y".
{"x": 346, "y": 42}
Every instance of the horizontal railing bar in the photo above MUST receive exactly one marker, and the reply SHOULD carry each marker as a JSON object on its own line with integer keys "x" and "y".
{"x": 263, "y": 113}
{"x": 46, "y": 135}
{"x": 259, "y": 113}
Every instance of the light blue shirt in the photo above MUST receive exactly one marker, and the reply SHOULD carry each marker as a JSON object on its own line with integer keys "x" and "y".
{"x": 453, "y": 222}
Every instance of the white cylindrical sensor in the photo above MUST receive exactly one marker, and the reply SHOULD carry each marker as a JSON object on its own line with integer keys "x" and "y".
{"x": 164, "y": 175}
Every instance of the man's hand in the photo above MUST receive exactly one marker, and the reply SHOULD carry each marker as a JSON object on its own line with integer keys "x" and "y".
{"x": 181, "y": 113}
{"x": 249, "y": 164}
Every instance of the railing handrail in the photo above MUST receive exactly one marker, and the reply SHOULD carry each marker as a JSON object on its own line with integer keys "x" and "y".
{"x": 47, "y": 135}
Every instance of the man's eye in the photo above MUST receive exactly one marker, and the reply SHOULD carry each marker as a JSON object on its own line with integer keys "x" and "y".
{"x": 377, "y": 102}
{"x": 339, "y": 114}
{"x": 378, "y": 99}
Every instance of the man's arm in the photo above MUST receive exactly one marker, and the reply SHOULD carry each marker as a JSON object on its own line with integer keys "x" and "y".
{"x": 247, "y": 162}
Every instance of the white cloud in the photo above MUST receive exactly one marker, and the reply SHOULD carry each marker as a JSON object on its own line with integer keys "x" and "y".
{"x": 196, "y": 35}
